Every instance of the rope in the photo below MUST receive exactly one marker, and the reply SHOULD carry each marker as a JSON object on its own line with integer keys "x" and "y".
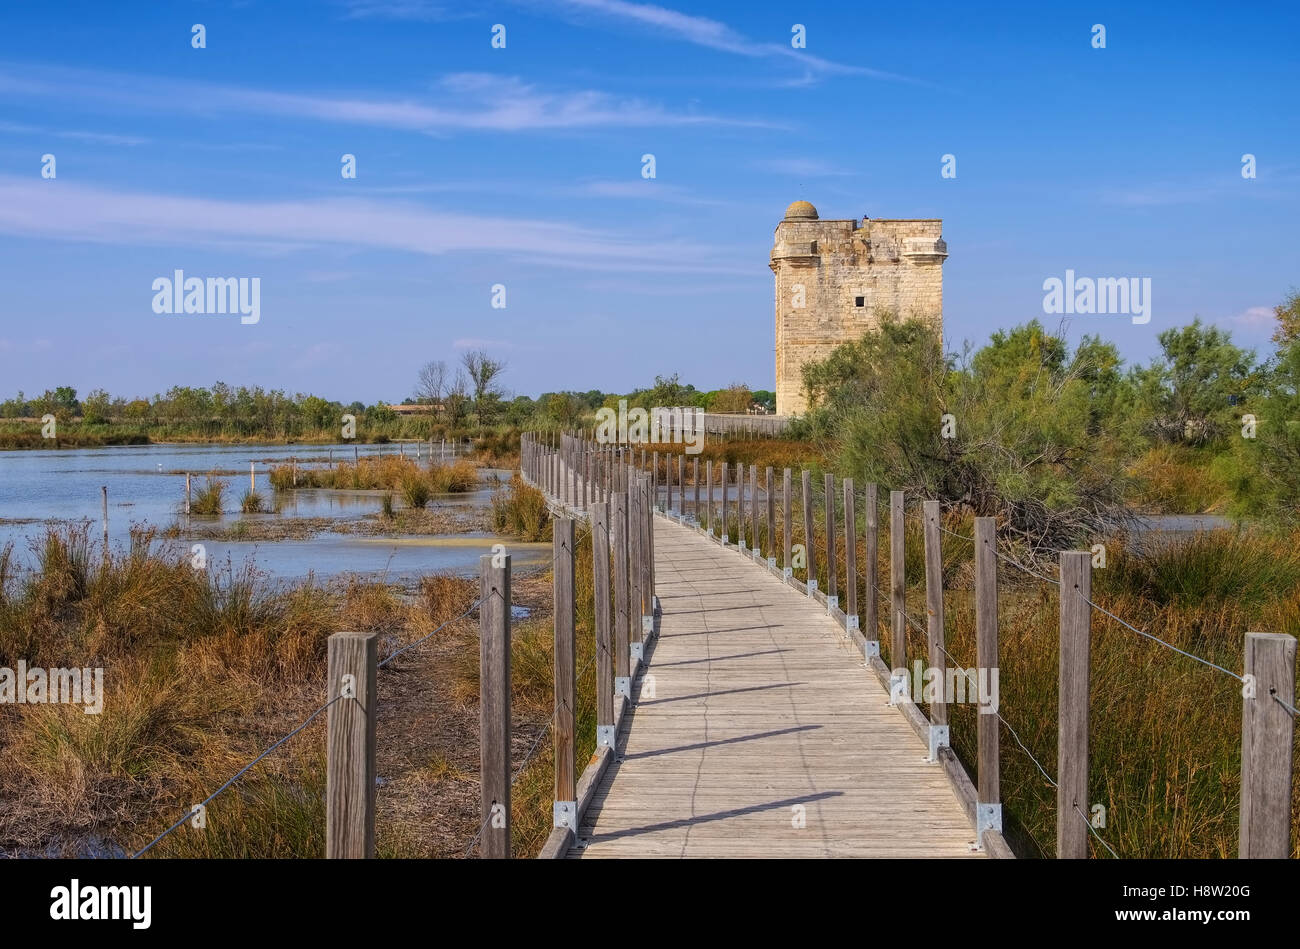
{"x": 237, "y": 776}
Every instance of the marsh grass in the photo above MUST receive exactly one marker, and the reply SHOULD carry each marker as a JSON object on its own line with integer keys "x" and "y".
{"x": 252, "y": 503}
{"x": 202, "y": 669}
{"x": 519, "y": 511}
{"x": 382, "y": 473}
{"x": 209, "y": 499}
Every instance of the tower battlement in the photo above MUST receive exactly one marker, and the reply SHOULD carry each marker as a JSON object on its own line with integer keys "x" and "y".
{"x": 836, "y": 278}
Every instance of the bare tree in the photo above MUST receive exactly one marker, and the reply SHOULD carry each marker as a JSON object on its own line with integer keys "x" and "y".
{"x": 483, "y": 372}
{"x": 457, "y": 399}
{"x": 431, "y": 384}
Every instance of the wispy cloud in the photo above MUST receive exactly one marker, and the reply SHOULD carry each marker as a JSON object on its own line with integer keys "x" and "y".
{"x": 458, "y": 102}
{"x": 98, "y": 138}
{"x": 62, "y": 210}
{"x": 714, "y": 34}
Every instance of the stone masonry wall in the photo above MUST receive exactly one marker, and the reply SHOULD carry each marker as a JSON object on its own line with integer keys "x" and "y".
{"x": 890, "y": 265}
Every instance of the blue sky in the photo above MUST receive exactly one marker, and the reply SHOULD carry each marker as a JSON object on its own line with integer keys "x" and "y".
{"x": 522, "y": 166}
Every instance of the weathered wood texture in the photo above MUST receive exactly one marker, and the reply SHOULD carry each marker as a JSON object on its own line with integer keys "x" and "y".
{"x": 763, "y": 735}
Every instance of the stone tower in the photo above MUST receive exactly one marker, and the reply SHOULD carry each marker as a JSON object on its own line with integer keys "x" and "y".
{"x": 836, "y": 279}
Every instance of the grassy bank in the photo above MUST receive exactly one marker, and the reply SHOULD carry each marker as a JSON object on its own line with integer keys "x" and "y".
{"x": 202, "y": 671}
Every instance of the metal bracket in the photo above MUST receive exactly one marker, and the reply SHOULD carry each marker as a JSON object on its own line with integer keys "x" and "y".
{"x": 787, "y": 573}
{"x": 740, "y": 544}
{"x": 604, "y": 736}
{"x": 850, "y": 622}
{"x": 771, "y": 563}
{"x": 812, "y": 586}
{"x": 623, "y": 686}
{"x": 897, "y": 687}
{"x": 832, "y": 603}
{"x": 636, "y": 651}
{"x": 938, "y": 739}
{"x": 725, "y": 538}
{"x": 647, "y": 625}
{"x": 987, "y": 817}
{"x": 872, "y": 649}
{"x": 565, "y": 814}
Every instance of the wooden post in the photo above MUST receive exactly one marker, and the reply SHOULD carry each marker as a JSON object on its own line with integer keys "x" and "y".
{"x": 1072, "y": 712}
{"x": 600, "y": 550}
{"x": 725, "y": 485}
{"x": 103, "y": 491}
{"x": 566, "y": 689}
{"x": 850, "y": 551}
{"x": 1267, "y": 738}
{"x": 668, "y": 484}
{"x": 832, "y": 581}
{"x": 654, "y": 481}
{"x": 787, "y": 518}
{"x": 871, "y": 551}
{"x": 187, "y": 493}
{"x": 622, "y": 596}
{"x": 494, "y": 707}
{"x": 681, "y": 485}
{"x": 986, "y": 661}
{"x": 771, "y": 515}
{"x": 708, "y": 498}
{"x": 808, "y": 532}
{"x": 897, "y": 592}
{"x": 252, "y": 481}
{"x": 634, "y": 555}
{"x": 754, "y": 542}
{"x": 695, "y": 477}
{"x": 647, "y": 555}
{"x": 934, "y": 608}
{"x": 353, "y": 664}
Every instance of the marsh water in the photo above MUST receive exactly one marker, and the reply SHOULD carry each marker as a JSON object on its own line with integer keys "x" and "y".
{"x": 146, "y": 487}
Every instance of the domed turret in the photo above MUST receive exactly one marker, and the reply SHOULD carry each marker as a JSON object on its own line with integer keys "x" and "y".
{"x": 801, "y": 211}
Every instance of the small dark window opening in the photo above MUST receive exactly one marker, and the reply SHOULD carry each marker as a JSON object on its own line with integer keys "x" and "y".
{"x": 859, "y": 301}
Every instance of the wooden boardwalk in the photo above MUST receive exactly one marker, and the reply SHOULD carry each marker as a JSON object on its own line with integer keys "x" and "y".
{"x": 757, "y": 731}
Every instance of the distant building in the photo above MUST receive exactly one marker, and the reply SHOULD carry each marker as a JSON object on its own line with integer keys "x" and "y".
{"x": 408, "y": 409}
{"x": 834, "y": 279}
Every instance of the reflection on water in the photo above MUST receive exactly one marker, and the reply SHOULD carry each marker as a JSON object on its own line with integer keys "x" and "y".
{"x": 144, "y": 487}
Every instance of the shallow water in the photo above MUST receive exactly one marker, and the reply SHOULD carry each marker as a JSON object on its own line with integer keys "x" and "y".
{"x": 146, "y": 486}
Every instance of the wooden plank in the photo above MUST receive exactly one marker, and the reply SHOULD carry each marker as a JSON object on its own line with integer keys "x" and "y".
{"x": 1072, "y": 738}
{"x": 786, "y": 518}
{"x": 708, "y": 498}
{"x": 563, "y": 721}
{"x": 986, "y": 651}
{"x": 601, "y": 542}
{"x": 723, "y": 531}
{"x": 850, "y": 549}
{"x": 765, "y": 735}
{"x": 934, "y": 607}
{"x": 494, "y": 707}
{"x": 353, "y": 664}
{"x": 832, "y": 567}
{"x": 809, "y": 537}
{"x": 769, "y": 544}
{"x": 622, "y": 587}
{"x": 1267, "y": 739}
{"x": 897, "y": 588}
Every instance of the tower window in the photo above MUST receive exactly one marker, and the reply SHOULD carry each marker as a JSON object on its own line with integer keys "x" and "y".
{"x": 859, "y": 301}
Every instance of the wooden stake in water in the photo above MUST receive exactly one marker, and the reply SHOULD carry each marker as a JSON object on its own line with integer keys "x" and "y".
{"x": 252, "y": 480}
{"x": 104, "y": 493}
{"x": 187, "y": 493}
